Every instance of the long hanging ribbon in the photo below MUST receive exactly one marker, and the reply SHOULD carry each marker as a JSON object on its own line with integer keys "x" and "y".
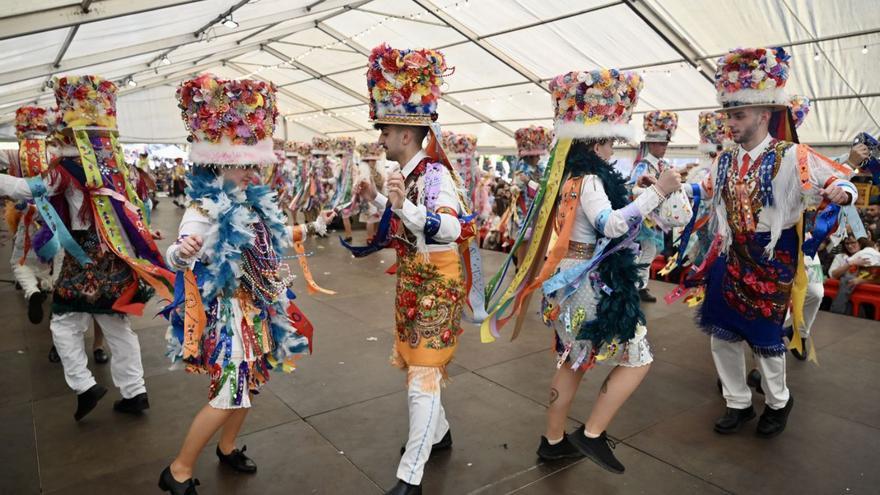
{"x": 380, "y": 241}
{"x": 798, "y": 296}
{"x": 550, "y": 189}
{"x": 195, "y": 318}
{"x": 689, "y": 228}
{"x": 107, "y": 222}
{"x": 313, "y": 287}
{"x": 61, "y": 236}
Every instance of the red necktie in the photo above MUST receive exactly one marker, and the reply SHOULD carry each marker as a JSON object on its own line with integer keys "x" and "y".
{"x": 744, "y": 168}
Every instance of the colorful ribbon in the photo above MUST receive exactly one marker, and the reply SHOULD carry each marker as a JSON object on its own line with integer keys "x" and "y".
{"x": 60, "y": 235}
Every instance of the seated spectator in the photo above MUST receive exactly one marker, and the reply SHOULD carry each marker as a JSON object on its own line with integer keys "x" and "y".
{"x": 861, "y": 265}
{"x": 871, "y": 215}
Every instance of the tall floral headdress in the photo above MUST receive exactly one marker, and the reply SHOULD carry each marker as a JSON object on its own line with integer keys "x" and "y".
{"x": 595, "y": 104}
{"x": 714, "y": 131}
{"x": 230, "y": 121}
{"x": 370, "y": 151}
{"x": 533, "y": 141}
{"x": 800, "y": 107}
{"x": 659, "y": 126}
{"x": 752, "y": 77}
{"x": 404, "y": 85}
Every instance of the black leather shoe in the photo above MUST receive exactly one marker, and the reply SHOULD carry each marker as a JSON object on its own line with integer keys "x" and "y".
{"x": 646, "y": 296}
{"x": 101, "y": 356}
{"x": 53, "y": 355}
{"x": 562, "y": 450}
{"x": 87, "y": 401}
{"x": 35, "y": 307}
{"x": 773, "y": 421}
{"x": 800, "y": 356}
{"x": 754, "y": 380}
{"x": 168, "y": 484}
{"x": 445, "y": 443}
{"x": 733, "y": 420}
{"x": 404, "y": 488}
{"x": 597, "y": 450}
{"x": 135, "y": 405}
{"x": 237, "y": 460}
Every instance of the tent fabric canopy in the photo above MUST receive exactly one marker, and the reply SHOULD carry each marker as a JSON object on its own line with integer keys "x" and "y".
{"x": 504, "y": 53}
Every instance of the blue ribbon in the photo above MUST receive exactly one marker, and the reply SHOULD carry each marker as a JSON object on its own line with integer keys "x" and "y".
{"x": 60, "y": 235}
{"x": 826, "y": 222}
{"x": 477, "y": 295}
{"x": 380, "y": 241}
{"x": 689, "y": 228}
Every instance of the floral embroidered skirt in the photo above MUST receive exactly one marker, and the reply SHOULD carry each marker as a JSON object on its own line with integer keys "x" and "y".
{"x": 96, "y": 287}
{"x": 747, "y": 294}
{"x": 579, "y": 308}
{"x": 430, "y": 295}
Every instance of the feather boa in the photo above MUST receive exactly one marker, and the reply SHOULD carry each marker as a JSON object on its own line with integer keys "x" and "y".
{"x": 233, "y": 211}
{"x": 618, "y": 313}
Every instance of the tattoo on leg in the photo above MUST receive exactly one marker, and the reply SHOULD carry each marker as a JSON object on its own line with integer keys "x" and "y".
{"x": 554, "y": 394}
{"x": 604, "y": 388}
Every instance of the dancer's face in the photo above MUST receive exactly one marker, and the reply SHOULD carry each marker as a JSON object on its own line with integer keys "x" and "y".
{"x": 658, "y": 149}
{"x": 604, "y": 149}
{"x": 241, "y": 176}
{"x": 747, "y": 123}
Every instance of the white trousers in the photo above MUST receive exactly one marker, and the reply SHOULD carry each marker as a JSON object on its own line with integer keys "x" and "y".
{"x": 68, "y": 332}
{"x": 815, "y": 293}
{"x": 646, "y": 256}
{"x": 427, "y": 422}
{"x": 730, "y": 362}
{"x": 33, "y": 275}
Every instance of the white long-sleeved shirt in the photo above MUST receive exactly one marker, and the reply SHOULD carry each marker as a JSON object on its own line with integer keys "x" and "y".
{"x": 414, "y": 215}
{"x": 18, "y": 189}
{"x": 788, "y": 193}
{"x": 595, "y": 214}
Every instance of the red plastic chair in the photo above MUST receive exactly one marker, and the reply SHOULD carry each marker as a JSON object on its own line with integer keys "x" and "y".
{"x": 868, "y": 294}
{"x": 657, "y": 265}
{"x": 831, "y": 287}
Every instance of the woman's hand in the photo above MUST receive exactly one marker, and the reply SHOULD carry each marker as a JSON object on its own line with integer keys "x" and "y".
{"x": 189, "y": 246}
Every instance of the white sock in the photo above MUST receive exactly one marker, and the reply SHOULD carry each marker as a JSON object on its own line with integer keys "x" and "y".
{"x": 590, "y": 435}
{"x": 554, "y": 442}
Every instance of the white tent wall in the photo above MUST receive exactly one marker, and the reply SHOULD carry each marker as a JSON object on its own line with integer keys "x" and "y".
{"x": 504, "y": 53}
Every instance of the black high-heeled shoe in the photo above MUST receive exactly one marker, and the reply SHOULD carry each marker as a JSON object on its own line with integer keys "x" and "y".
{"x": 169, "y": 484}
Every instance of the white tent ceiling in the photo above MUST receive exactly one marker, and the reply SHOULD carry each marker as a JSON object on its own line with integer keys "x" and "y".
{"x": 503, "y": 51}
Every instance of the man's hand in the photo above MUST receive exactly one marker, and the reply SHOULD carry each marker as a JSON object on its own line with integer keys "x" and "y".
{"x": 396, "y": 190}
{"x": 646, "y": 181}
{"x": 157, "y": 234}
{"x": 669, "y": 181}
{"x": 366, "y": 190}
{"x": 858, "y": 154}
{"x": 836, "y": 194}
{"x": 190, "y": 246}
{"x": 328, "y": 216}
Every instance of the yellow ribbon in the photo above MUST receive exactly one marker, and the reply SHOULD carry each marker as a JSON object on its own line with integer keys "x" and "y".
{"x": 798, "y": 296}
{"x": 554, "y": 181}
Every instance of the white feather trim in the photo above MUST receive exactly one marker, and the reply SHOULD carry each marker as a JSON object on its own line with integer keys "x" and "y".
{"x": 775, "y": 96}
{"x": 656, "y": 137}
{"x": 707, "y": 147}
{"x": 602, "y": 130}
{"x": 67, "y": 151}
{"x": 227, "y": 153}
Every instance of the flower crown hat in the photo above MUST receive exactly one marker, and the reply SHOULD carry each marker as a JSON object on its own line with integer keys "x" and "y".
{"x": 752, "y": 77}
{"x": 343, "y": 145}
{"x": 800, "y": 107}
{"x": 659, "y": 126}
{"x": 404, "y": 85}
{"x": 303, "y": 149}
{"x": 596, "y": 104}
{"x": 533, "y": 140}
{"x": 84, "y": 102}
{"x": 322, "y": 145}
{"x": 230, "y": 121}
{"x": 290, "y": 149}
{"x": 370, "y": 151}
{"x": 33, "y": 126}
{"x": 714, "y": 131}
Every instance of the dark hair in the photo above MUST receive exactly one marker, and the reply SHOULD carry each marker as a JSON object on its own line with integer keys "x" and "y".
{"x": 874, "y": 200}
{"x": 582, "y": 159}
{"x": 420, "y": 131}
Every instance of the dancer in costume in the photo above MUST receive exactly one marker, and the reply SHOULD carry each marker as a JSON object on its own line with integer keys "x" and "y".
{"x": 755, "y": 268}
{"x": 372, "y": 170}
{"x": 589, "y": 278}
{"x": 233, "y": 315}
{"x": 346, "y": 170}
{"x": 532, "y": 144}
{"x": 91, "y": 210}
{"x": 659, "y": 127}
{"x": 302, "y": 152}
{"x": 421, "y": 215}
{"x": 33, "y": 125}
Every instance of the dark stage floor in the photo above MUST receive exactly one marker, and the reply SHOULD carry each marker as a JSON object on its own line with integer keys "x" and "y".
{"x": 336, "y": 424}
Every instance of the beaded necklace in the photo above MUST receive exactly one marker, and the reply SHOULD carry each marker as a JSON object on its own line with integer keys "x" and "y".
{"x": 265, "y": 277}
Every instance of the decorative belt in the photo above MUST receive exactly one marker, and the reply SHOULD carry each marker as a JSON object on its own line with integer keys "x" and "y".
{"x": 580, "y": 250}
